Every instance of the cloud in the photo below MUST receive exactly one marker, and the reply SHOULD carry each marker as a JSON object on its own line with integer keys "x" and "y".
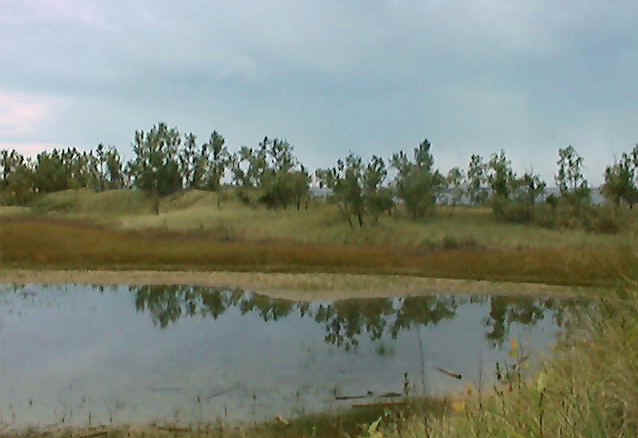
{"x": 21, "y": 115}
{"x": 371, "y": 76}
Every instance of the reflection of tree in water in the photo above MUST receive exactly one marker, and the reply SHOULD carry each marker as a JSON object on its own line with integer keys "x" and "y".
{"x": 425, "y": 311}
{"x": 347, "y": 320}
{"x": 167, "y": 304}
{"x": 522, "y": 310}
{"x": 267, "y": 308}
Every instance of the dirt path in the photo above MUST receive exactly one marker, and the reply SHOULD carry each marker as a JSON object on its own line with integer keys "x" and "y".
{"x": 294, "y": 286}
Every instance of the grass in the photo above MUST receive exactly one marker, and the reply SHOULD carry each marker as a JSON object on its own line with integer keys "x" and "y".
{"x": 113, "y": 230}
{"x": 320, "y": 224}
{"x": 347, "y": 422}
{"x": 36, "y": 242}
{"x": 589, "y": 389}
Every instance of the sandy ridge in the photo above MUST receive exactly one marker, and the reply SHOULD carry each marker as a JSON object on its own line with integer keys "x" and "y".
{"x": 315, "y": 286}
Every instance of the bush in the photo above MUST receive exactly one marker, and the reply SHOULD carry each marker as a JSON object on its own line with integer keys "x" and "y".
{"x": 605, "y": 219}
{"x": 512, "y": 211}
{"x": 451, "y": 242}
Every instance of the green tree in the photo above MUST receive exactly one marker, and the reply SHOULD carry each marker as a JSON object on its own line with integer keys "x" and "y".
{"x": 570, "y": 179}
{"x": 502, "y": 182}
{"x": 476, "y": 180}
{"x": 97, "y": 164}
{"x": 532, "y": 187}
{"x": 114, "y": 169}
{"x": 500, "y": 176}
{"x": 16, "y": 178}
{"x": 346, "y": 182}
{"x": 416, "y": 183}
{"x": 50, "y": 174}
{"x": 455, "y": 184}
{"x": 155, "y": 168}
{"x": 620, "y": 180}
{"x": 250, "y": 165}
{"x": 301, "y": 186}
{"x": 219, "y": 160}
{"x": 285, "y": 180}
{"x": 378, "y": 199}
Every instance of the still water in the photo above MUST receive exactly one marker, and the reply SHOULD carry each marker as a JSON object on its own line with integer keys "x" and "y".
{"x": 80, "y": 355}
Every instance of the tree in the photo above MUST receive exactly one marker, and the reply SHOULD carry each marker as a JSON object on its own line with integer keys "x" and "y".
{"x": 500, "y": 177}
{"x": 16, "y": 178}
{"x": 570, "y": 179}
{"x": 97, "y": 164}
{"x": 9, "y": 161}
{"x": 346, "y": 182}
{"x": 476, "y": 179}
{"x": 455, "y": 184}
{"x": 532, "y": 187}
{"x": 114, "y": 169}
{"x": 301, "y": 186}
{"x": 192, "y": 161}
{"x": 283, "y": 180}
{"x": 378, "y": 199}
{"x": 249, "y": 165}
{"x": 620, "y": 180}
{"x": 155, "y": 168}
{"x": 502, "y": 182}
{"x": 416, "y": 183}
{"x": 218, "y": 160}
{"x": 50, "y": 174}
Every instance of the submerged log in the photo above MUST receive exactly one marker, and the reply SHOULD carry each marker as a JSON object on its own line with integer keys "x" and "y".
{"x": 379, "y": 405}
{"x": 449, "y": 373}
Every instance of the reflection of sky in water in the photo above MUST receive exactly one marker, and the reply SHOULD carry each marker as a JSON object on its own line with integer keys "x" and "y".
{"x": 71, "y": 352}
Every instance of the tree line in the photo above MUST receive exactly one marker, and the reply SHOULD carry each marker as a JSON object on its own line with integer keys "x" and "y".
{"x": 165, "y": 162}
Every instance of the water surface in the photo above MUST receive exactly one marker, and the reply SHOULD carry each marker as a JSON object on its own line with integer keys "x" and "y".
{"x": 78, "y": 354}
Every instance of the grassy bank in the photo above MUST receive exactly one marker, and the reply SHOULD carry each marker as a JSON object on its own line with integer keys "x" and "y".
{"x": 589, "y": 389}
{"x": 114, "y": 230}
{"x": 37, "y": 242}
{"x": 321, "y": 223}
{"x": 344, "y": 423}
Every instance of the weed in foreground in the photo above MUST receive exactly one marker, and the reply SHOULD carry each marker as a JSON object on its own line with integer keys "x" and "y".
{"x": 589, "y": 389}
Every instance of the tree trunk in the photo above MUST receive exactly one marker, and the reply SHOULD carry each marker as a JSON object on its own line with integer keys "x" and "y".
{"x": 156, "y": 202}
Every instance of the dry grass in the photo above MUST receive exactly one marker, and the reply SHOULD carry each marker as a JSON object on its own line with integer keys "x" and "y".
{"x": 79, "y": 229}
{"x": 297, "y": 287}
{"x": 13, "y": 211}
{"x": 320, "y": 224}
{"x": 589, "y": 389}
{"x": 329, "y": 425}
{"x": 36, "y": 242}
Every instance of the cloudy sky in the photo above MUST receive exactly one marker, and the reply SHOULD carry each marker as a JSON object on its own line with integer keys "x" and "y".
{"x": 369, "y": 76}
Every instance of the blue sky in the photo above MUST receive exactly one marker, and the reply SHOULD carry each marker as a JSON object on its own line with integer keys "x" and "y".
{"x": 330, "y": 76}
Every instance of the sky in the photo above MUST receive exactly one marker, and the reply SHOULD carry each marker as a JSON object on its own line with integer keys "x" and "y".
{"x": 330, "y": 76}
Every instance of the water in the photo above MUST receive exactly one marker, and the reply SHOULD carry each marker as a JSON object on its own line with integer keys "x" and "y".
{"x": 79, "y": 355}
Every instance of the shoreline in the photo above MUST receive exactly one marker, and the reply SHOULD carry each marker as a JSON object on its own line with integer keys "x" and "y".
{"x": 303, "y": 287}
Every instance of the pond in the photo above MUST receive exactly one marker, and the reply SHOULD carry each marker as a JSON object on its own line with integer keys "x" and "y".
{"x": 84, "y": 355}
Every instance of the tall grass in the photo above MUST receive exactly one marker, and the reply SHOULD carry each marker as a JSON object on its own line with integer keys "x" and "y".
{"x": 321, "y": 223}
{"x": 589, "y": 389}
{"x": 342, "y": 423}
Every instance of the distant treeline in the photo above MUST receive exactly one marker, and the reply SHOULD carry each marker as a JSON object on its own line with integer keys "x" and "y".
{"x": 166, "y": 162}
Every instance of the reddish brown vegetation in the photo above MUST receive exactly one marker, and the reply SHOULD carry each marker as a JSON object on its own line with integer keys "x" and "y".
{"x": 31, "y": 242}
